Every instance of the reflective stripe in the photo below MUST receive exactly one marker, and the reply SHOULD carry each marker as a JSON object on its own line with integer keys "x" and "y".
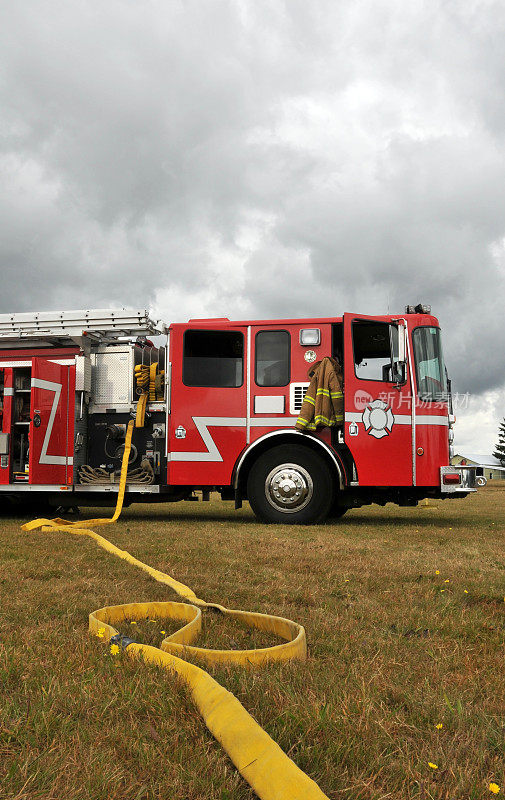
{"x": 61, "y": 361}
{"x": 213, "y": 454}
{"x": 352, "y": 416}
{"x": 329, "y": 422}
{"x": 400, "y": 419}
{"x": 274, "y": 422}
{"x": 327, "y": 393}
{"x": 403, "y": 419}
{"x": 8, "y": 392}
{"x": 38, "y": 383}
{"x": 15, "y": 363}
{"x": 425, "y": 419}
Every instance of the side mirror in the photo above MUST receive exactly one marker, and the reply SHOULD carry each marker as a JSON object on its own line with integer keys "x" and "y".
{"x": 399, "y": 372}
{"x": 401, "y": 343}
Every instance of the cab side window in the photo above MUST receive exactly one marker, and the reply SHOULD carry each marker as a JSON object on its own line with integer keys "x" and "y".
{"x": 213, "y": 358}
{"x": 272, "y": 366}
{"x": 374, "y": 344}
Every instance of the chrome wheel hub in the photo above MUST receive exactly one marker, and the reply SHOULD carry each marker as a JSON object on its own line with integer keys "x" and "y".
{"x": 288, "y": 487}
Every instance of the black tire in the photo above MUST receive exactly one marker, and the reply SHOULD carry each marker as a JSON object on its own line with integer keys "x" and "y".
{"x": 337, "y": 511}
{"x": 277, "y": 476}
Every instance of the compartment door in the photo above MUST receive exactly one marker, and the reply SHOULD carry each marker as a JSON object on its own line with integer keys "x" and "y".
{"x": 5, "y": 422}
{"x": 378, "y": 409}
{"x": 50, "y": 458}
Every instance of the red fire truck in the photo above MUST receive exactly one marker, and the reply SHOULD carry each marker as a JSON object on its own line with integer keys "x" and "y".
{"x": 224, "y": 398}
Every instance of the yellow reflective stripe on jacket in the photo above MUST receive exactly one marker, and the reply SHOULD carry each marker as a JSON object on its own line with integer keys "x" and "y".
{"x": 319, "y": 419}
{"x": 322, "y": 420}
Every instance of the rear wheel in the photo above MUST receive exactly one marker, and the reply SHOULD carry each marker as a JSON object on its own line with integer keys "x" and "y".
{"x": 291, "y": 485}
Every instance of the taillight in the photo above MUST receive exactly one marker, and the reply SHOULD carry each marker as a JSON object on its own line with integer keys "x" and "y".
{"x": 451, "y": 478}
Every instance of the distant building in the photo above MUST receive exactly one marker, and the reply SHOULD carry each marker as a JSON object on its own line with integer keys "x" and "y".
{"x": 487, "y": 466}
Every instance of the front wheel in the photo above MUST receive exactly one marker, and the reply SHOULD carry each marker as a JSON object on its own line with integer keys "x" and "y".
{"x": 337, "y": 511}
{"x": 290, "y": 485}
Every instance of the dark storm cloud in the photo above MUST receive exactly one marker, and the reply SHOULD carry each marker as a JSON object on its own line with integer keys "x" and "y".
{"x": 258, "y": 158}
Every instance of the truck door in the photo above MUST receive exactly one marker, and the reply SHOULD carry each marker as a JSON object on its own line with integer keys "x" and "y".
{"x": 208, "y": 405}
{"x": 5, "y": 422}
{"x": 377, "y": 400}
{"x": 51, "y": 424}
{"x": 271, "y": 369}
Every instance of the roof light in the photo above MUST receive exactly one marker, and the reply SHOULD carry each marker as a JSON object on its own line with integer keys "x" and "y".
{"x": 421, "y": 308}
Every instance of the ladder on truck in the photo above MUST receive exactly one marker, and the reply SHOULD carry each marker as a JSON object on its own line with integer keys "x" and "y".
{"x": 95, "y": 326}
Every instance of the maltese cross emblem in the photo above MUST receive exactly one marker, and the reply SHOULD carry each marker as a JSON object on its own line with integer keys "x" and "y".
{"x": 378, "y": 419}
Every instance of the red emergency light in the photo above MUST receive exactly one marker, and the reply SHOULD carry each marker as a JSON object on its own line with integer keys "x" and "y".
{"x": 451, "y": 478}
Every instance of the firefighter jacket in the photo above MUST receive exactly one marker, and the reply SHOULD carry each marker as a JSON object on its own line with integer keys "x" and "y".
{"x": 323, "y": 403}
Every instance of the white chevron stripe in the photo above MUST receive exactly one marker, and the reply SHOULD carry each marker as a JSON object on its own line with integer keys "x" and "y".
{"x": 213, "y": 454}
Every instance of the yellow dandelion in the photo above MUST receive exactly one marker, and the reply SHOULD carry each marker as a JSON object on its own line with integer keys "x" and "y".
{"x": 432, "y": 765}
{"x": 346, "y": 580}
{"x": 442, "y": 590}
{"x": 447, "y": 580}
{"x": 493, "y": 787}
{"x": 437, "y": 572}
{"x": 439, "y": 726}
{"x": 101, "y": 633}
{"x": 465, "y": 591}
{"x": 114, "y": 650}
{"x": 133, "y": 622}
{"x": 163, "y": 632}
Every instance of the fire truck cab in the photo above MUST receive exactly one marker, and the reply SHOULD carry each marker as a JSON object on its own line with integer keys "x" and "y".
{"x": 223, "y": 402}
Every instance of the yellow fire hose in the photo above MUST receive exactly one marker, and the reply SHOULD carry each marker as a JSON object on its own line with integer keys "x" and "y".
{"x": 267, "y": 769}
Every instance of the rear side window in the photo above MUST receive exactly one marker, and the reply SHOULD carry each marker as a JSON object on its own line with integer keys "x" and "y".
{"x": 272, "y": 358}
{"x": 213, "y": 358}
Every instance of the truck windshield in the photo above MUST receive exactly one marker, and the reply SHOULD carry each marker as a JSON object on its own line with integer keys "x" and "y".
{"x": 430, "y": 369}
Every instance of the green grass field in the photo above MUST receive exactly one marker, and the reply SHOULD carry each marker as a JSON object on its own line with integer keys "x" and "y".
{"x": 405, "y": 618}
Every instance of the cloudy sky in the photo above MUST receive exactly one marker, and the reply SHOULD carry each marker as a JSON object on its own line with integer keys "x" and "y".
{"x": 262, "y": 158}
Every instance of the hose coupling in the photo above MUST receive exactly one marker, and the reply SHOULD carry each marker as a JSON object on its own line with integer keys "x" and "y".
{"x": 121, "y": 640}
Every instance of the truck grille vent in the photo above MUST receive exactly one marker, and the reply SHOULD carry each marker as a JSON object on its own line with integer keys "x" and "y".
{"x": 296, "y": 395}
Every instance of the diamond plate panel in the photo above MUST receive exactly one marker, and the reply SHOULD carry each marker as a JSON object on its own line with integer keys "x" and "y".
{"x": 112, "y": 377}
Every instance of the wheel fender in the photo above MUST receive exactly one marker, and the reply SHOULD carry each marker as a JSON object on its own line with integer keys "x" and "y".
{"x": 274, "y": 438}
